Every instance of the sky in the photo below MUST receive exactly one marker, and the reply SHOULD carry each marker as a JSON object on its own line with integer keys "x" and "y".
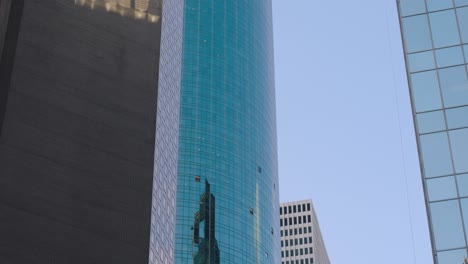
{"x": 345, "y": 130}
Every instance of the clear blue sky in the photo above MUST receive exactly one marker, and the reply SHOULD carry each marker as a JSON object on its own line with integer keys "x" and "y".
{"x": 345, "y": 130}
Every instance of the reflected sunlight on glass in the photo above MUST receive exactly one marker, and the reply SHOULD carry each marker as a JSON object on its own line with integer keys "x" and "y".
{"x": 149, "y": 10}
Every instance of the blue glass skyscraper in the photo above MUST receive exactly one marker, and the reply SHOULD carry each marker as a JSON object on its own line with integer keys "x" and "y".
{"x": 227, "y": 189}
{"x": 435, "y": 37}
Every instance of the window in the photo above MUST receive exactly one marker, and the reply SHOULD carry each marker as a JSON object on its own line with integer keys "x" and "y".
{"x": 462, "y": 181}
{"x": 297, "y": 252}
{"x": 311, "y": 250}
{"x": 436, "y": 154}
{"x": 286, "y": 242}
{"x": 300, "y": 220}
{"x": 459, "y": 139}
{"x": 282, "y": 254}
{"x": 454, "y": 86}
{"x": 282, "y": 245}
{"x": 295, "y": 231}
{"x": 449, "y": 56}
{"x": 310, "y": 241}
{"x": 447, "y": 225}
{"x": 306, "y": 251}
{"x": 308, "y": 207}
{"x": 295, "y": 242}
{"x": 441, "y": 188}
{"x": 300, "y": 229}
{"x": 304, "y": 218}
{"x": 421, "y": 61}
{"x": 303, "y": 207}
{"x": 310, "y": 229}
{"x": 412, "y": 7}
{"x": 462, "y": 14}
{"x": 444, "y": 28}
{"x": 290, "y": 232}
{"x": 426, "y": 93}
{"x": 456, "y": 117}
{"x": 281, "y": 222}
{"x": 308, "y": 219}
{"x": 416, "y": 33}
{"x": 281, "y": 210}
{"x": 294, "y": 209}
{"x": 434, "y": 5}
{"x": 305, "y": 230}
{"x": 300, "y": 241}
{"x": 301, "y": 251}
{"x": 290, "y": 220}
{"x": 281, "y": 232}
{"x": 431, "y": 122}
{"x": 295, "y": 220}
{"x": 289, "y": 207}
{"x": 287, "y": 253}
{"x": 299, "y": 208}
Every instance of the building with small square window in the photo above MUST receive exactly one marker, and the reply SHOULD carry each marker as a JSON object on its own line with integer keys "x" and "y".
{"x": 435, "y": 41}
{"x": 301, "y": 239}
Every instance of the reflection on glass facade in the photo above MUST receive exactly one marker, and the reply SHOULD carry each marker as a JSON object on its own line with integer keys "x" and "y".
{"x": 149, "y": 10}
{"x": 435, "y": 37}
{"x": 227, "y": 136}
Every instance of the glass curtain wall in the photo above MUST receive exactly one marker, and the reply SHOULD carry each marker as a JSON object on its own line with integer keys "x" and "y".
{"x": 435, "y": 37}
{"x": 227, "y": 190}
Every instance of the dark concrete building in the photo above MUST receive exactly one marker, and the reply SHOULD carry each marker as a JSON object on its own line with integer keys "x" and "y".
{"x": 89, "y": 107}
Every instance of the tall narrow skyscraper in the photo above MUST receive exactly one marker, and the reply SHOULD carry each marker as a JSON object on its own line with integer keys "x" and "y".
{"x": 227, "y": 187}
{"x": 89, "y": 105}
{"x": 301, "y": 238}
{"x": 435, "y": 38}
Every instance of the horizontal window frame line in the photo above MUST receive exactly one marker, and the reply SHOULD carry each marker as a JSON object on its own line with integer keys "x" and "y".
{"x": 430, "y": 12}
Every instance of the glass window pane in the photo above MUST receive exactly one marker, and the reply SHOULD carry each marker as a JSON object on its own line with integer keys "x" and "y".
{"x": 451, "y": 256}
{"x": 434, "y": 5}
{"x": 454, "y": 84}
{"x": 464, "y": 206}
{"x": 447, "y": 225}
{"x": 459, "y": 143}
{"x": 444, "y": 28}
{"x": 462, "y": 181}
{"x": 466, "y": 52}
{"x": 431, "y": 122}
{"x": 462, "y": 14}
{"x": 416, "y": 33}
{"x": 412, "y": 7}
{"x": 441, "y": 188}
{"x": 457, "y": 117}
{"x": 449, "y": 56}
{"x": 421, "y": 61}
{"x": 436, "y": 155}
{"x": 461, "y": 2}
{"x": 425, "y": 88}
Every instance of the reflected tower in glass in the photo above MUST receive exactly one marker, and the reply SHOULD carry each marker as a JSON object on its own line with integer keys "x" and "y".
{"x": 227, "y": 186}
{"x": 435, "y": 40}
{"x": 89, "y": 107}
